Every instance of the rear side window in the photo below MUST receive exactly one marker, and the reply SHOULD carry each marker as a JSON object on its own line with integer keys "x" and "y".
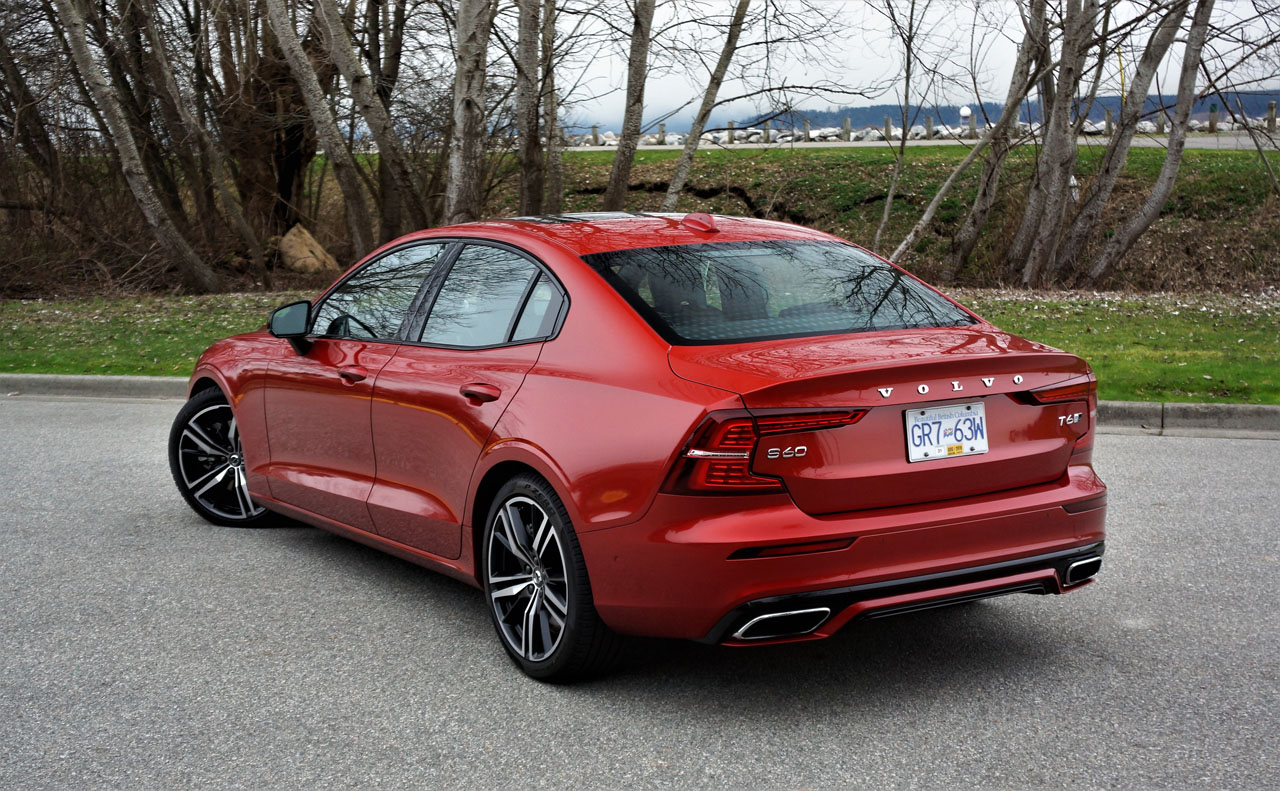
{"x": 478, "y": 302}
{"x": 733, "y": 292}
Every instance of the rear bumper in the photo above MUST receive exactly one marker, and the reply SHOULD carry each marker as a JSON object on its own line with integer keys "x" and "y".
{"x": 830, "y": 610}
{"x": 693, "y": 567}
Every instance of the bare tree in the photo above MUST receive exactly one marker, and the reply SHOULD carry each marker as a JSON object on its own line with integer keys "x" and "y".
{"x": 372, "y": 109}
{"x": 463, "y": 200}
{"x": 1034, "y": 43}
{"x": 231, "y": 205}
{"x": 196, "y": 274}
{"x": 615, "y": 196}
{"x": 1082, "y": 227}
{"x": 528, "y": 96}
{"x": 345, "y": 169}
{"x": 906, "y": 26}
{"x": 553, "y": 187}
{"x": 685, "y": 163}
{"x": 1047, "y": 202}
{"x": 1127, "y": 234}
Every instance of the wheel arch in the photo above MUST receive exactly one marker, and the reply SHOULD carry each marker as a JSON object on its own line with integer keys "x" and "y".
{"x": 500, "y": 465}
{"x": 206, "y": 377}
{"x": 202, "y": 384}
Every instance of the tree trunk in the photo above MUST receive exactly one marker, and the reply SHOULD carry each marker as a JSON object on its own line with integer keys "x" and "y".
{"x": 371, "y": 107}
{"x": 615, "y": 196}
{"x": 335, "y": 147}
{"x": 553, "y": 188}
{"x": 907, "y": 37}
{"x": 29, "y": 128}
{"x": 1036, "y": 239}
{"x": 1034, "y": 42}
{"x": 1086, "y": 219}
{"x": 195, "y": 273}
{"x": 463, "y": 196}
{"x": 1124, "y": 238}
{"x": 527, "y": 94}
{"x": 685, "y": 164}
{"x": 213, "y": 155}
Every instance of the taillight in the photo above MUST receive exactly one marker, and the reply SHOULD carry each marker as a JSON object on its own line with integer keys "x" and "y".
{"x": 717, "y": 459}
{"x": 1081, "y": 388}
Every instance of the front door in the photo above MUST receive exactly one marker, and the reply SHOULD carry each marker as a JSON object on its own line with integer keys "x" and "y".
{"x": 318, "y": 403}
{"x": 436, "y": 402}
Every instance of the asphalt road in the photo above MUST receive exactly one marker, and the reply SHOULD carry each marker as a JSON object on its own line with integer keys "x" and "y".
{"x": 141, "y": 648}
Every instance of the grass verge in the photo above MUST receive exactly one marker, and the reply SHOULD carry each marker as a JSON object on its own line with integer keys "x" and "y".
{"x": 1206, "y": 348}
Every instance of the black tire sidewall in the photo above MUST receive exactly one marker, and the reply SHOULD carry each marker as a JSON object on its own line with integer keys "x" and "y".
{"x": 201, "y": 401}
{"x": 581, "y": 613}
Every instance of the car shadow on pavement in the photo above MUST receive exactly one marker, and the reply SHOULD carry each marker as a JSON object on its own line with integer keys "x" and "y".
{"x": 909, "y": 660}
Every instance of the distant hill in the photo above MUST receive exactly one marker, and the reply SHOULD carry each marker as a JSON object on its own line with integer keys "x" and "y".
{"x": 1255, "y": 105}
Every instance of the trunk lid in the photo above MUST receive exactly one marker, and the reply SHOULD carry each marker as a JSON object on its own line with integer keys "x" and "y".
{"x": 889, "y": 373}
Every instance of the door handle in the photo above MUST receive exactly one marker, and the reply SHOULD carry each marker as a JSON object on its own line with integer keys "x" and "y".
{"x": 353, "y": 373}
{"x": 479, "y": 393}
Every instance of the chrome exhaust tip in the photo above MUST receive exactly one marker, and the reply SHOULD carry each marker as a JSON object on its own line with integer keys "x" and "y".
{"x": 792, "y": 623}
{"x": 1080, "y": 570}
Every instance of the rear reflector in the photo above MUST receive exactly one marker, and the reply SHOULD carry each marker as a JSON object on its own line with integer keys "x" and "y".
{"x": 783, "y": 550}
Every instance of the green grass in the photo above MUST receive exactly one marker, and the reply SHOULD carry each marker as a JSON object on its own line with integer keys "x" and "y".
{"x": 1144, "y": 348}
{"x": 1218, "y": 230}
{"x": 150, "y": 336}
{"x": 1155, "y": 348}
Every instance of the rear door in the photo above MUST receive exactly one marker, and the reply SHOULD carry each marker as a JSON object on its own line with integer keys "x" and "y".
{"x": 317, "y": 404}
{"x": 437, "y": 400}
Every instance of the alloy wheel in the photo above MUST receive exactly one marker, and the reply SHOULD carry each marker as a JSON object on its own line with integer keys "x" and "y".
{"x": 527, "y": 583}
{"x": 211, "y": 464}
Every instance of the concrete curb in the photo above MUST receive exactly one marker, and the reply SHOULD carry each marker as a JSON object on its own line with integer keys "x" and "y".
{"x": 1178, "y": 417}
{"x": 1145, "y": 416}
{"x": 94, "y": 386}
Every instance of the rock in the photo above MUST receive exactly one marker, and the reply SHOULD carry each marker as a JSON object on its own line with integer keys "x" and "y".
{"x": 917, "y": 132}
{"x": 874, "y": 135}
{"x": 300, "y": 252}
{"x": 1146, "y": 127}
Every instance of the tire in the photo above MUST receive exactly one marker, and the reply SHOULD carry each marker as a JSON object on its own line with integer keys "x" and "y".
{"x": 207, "y": 462}
{"x": 540, "y": 599}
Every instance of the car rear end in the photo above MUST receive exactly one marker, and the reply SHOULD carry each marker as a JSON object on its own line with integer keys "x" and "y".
{"x": 892, "y": 451}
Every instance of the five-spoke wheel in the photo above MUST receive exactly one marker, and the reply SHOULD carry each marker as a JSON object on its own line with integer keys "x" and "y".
{"x": 207, "y": 461}
{"x": 536, "y": 583}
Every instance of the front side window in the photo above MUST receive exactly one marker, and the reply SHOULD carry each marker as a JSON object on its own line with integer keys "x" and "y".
{"x": 373, "y": 303}
{"x": 479, "y": 301}
{"x": 734, "y": 292}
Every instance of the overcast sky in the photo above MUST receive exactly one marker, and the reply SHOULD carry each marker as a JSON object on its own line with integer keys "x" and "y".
{"x": 981, "y": 34}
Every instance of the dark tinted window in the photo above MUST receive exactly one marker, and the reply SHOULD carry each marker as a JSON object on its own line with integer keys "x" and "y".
{"x": 479, "y": 299}
{"x": 372, "y": 303}
{"x": 743, "y": 291}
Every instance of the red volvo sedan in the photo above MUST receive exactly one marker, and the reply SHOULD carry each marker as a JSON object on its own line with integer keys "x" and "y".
{"x": 722, "y": 429}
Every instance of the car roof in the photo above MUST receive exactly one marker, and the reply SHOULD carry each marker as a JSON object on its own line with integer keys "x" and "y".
{"x": 585, "y": 233}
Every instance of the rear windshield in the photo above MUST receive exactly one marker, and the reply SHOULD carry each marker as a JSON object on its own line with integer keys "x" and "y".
{"x": 731, "y": 292}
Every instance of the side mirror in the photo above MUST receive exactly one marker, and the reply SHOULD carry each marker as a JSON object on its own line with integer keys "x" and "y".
{"x": 292, "y": 322}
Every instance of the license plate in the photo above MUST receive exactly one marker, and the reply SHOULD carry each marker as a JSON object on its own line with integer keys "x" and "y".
{"x": 946, "y": 432}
